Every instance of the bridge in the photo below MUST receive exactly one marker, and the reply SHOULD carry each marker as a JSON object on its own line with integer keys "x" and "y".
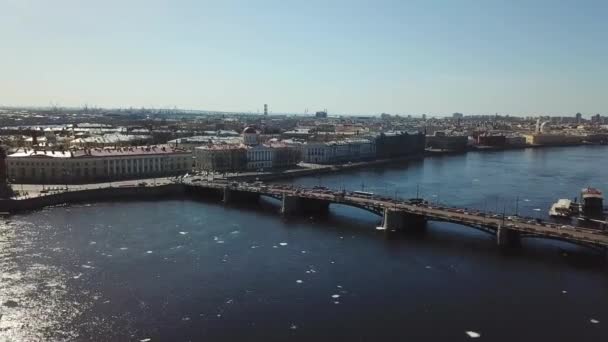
{"x": 403, "y": 215}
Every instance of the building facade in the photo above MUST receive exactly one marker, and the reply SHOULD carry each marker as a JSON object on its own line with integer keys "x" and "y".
{"x": 220, "y": 158}
{"x": 341, "y": 151}
{"x": 399, "y": 144}
{"x": 96, "y": 165}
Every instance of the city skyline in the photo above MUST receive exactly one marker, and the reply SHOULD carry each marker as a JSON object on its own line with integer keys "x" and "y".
{"x": 435, "y": 58}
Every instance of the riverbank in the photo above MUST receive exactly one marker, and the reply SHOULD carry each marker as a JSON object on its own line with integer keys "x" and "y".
{"x": 11, "y": 206}
{"x": 318, "y": 169}
{"x": 321, "y": 169}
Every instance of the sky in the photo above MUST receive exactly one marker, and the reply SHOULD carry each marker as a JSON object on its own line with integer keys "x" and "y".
{"x": 516, "y": 57}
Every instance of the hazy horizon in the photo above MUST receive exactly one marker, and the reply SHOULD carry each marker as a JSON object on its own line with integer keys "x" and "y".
{"x": 352, "y": 57}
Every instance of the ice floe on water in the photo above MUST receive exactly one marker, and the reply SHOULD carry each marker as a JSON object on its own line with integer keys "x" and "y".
{"x": 145, "y": 340}
{"x": 77, "y": 276}
{"x": 536, "y": 209}
{"x": 92, "y": 243}
{"x": 123, "y": 248}
{"x": 149, "y": 252}
{"x": 183, "y": 233}
{"x": 564, "y": 291}
{"x": 293, "y": 327}
{"x": 594, "y": 321}
{"x": 299, "y": 281}
{"x": 335, "y": 296}
{"x": 473, "y": 334}
{"x": 526, "y": 200}
{"x": 86, "y": 266}
{"x": 283, "y": 243}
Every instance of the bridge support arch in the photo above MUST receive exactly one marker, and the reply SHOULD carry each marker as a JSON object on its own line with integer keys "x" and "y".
{"x": 395, "y": 220}
{"x": 507, "y": 237}
{"x": 293, "y": 205}
{"x": 235, "y": 196}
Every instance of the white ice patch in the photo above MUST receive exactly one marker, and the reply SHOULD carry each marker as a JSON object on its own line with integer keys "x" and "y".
{"x": 536, "y": 209}
{"x": 86, "y": 266}
{"x": 145, "y": 340}
{"x": 594, "y": 321}
{"x": 149, "y": 252}
{"x": 299, "y": 281}
{"x": 92, "y": 243}
{"x": 123, "y": 248}
{"x": 183, "y": 233}
{"x": 473, "y": 334}
{"x": 283, "y": 243}
{"x": 335, "y": 296}
{"x": 293, "y": 327}
{"x": 380, "y": 228}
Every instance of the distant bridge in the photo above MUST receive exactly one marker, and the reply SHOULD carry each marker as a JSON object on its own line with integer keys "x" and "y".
{"x": 403, "y": 215}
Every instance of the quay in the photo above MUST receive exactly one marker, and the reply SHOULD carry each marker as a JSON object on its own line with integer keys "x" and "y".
{"x": 398, "y": 215}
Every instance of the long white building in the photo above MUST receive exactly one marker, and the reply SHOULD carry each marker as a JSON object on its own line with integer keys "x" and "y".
{"x": 95, "y": 165}
{"x": 338, "y": 151}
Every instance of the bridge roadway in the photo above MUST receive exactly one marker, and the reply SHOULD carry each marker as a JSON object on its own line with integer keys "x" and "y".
{"x": 379, "y": 205}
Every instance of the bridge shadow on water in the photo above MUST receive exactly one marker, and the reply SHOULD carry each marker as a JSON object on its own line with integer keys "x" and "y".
{"x": 448, "y": 239}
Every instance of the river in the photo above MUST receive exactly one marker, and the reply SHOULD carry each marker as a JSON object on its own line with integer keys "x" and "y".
{"x": 182, "y": 270}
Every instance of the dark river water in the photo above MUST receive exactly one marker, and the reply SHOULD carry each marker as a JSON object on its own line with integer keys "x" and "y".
{"x": 182, "y": 270}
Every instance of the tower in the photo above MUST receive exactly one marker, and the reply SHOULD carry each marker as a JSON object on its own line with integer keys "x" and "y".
{"x": 265, "y": 109}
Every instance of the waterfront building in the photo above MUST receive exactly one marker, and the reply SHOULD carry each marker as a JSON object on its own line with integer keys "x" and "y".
{"x": 553, "y": 139}
{"x": 285, "y": 155}
{"x": 445, "y": 142}
{"x": 259, "y": 157}
{"x": 221, "y": 158}
{"x": 515, "y": 140}
{"x": 491, "y": 140}
{"x": 340, "y": 151}
{"x": 240, "y": 157}
{"x": 397, "y": 144}
{"x": 96, "y": 164}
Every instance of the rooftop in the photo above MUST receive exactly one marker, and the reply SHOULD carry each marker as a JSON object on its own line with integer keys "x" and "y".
{"x": 97, "y": 152}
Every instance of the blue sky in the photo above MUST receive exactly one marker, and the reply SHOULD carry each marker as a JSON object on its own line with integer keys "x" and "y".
{"x": 361, "y": 57}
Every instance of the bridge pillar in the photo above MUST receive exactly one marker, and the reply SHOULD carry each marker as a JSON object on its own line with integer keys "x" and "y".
{"x": 231, "y": 196}
{"x": 395, "y": 220}
{"x": 506, "y": 236}
{"x": 293, "y": 205}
